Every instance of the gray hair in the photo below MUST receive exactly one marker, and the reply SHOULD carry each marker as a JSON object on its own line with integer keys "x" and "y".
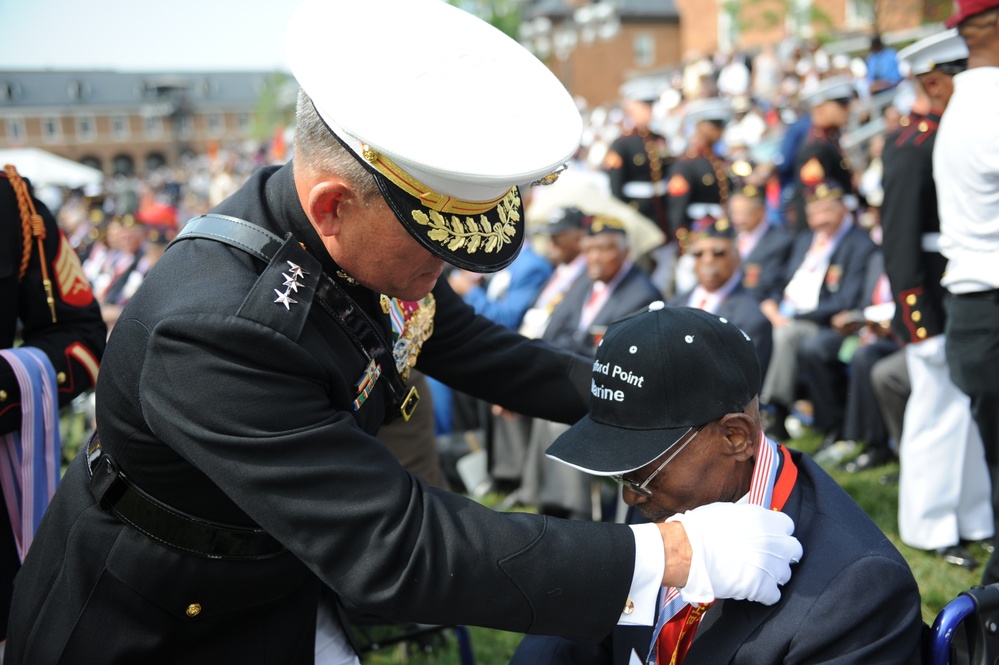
{"x": 317, "y": 149}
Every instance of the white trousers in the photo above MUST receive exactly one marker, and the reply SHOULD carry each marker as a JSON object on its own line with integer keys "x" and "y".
{"x": 944, "y": 487}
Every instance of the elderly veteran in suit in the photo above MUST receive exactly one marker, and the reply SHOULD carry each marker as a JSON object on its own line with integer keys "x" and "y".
{"x": 825, "y": 274}
{"x": 763, "y": 248}
{"x": 676, "y": 421}
{"x": 720, "y": 287}
{"x": 611, "y": 288}
{"x": 235, "y": 495}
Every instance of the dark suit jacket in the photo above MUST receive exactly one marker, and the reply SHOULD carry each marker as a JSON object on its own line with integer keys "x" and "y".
{"x": 844, "y": 285}
{"x": 634, "y": 292}
{"x": 763, "y": 269}
{"x": 852, "y": 599}
{"x": 225, "y": 405}
{"x": 744, "y": 311}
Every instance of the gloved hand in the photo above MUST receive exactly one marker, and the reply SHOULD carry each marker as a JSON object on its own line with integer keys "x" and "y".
{"x": 739, "y": 551}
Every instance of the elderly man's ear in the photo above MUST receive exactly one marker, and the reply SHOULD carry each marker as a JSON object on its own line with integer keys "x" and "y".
{"x": 741, "y": 435}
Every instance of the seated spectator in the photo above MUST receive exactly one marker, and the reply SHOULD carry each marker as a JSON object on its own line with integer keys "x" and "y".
{"x": 763, "y": 248}
{"x": 612, "y": 288}
{"x": 882, "y": 67}
{"x": 837, "y": 362}
{"x": 675, "y": 419}
{"x": 825, "y": 275}
{"x": 719, "y": 287}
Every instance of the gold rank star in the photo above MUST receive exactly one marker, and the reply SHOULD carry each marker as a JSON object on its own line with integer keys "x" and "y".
{"x": 285, "y": 299}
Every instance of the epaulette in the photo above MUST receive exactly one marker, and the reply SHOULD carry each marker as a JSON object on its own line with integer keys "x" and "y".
{"x": 916, "y": 128}
{"x": 282, "y": 295}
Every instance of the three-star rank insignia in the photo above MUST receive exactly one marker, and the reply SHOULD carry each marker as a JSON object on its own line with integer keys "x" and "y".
{"x": 291, "y": 284}
{"x": 366, "y": 383}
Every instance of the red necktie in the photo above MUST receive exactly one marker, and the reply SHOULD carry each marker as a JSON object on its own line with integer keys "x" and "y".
{"x": 677, "y": 635}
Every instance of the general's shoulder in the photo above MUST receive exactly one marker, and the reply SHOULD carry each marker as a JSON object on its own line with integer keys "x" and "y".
{"x": 201, "y": 275}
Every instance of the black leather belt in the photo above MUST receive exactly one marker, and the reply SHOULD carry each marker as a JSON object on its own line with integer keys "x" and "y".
{"x": 992, "y": 294}
{"x": 167, "y": 525}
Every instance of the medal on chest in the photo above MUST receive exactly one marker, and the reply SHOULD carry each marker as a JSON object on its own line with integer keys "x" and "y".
{"x": 412, "y": 325}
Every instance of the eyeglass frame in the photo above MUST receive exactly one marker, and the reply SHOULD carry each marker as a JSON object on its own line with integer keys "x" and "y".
{"x": 640, "y": 488}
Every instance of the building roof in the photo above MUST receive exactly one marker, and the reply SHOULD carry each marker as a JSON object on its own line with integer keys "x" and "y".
{"x": 74, "y": 91}
{"x": 628, "y": 10}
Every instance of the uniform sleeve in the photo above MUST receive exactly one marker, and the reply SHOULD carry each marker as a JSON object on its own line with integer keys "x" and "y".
{"x": 908, "y": 191}
{"x": 74, "y": 342}
{"x": 614, "y": 167}
{"x": 337, "y": 498}
{"x": 681, "y": 192}
{"x": 476, "y": 356}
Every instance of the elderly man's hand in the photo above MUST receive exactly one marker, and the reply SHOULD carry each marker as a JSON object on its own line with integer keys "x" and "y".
{"x": 738, "y": 551}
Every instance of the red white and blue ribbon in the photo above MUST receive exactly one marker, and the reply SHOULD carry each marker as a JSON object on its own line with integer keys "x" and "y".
{"x": 761, "y": 493}
{"x": 30, "y": 459}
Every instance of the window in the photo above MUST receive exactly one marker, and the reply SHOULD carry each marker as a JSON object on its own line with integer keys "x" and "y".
{"x": 216, "y": 124}
{"x": 119, "y": 127}
{"x": 859, "y": 14}
{"x": 15, "y": 130}
{"x": 51, "y": 129}
{"x": 645, "y": 50}
{"x": 185, "y": 126}
{"x": 86, "y": 128}
{"x": 154, "y": 127}
{"x": 243, "y": 121}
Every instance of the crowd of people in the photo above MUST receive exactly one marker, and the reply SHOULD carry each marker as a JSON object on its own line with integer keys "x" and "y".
{"x": 727, "y": 208}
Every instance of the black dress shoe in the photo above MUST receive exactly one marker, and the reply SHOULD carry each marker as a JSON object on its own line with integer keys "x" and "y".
{"x": 773, "y": 425}
{"x": 869, "y": 459}
{"x": 957, "y": 555}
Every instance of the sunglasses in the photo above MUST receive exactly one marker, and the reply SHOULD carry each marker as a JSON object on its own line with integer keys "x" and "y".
{"x": 640, "y": 488}
{"x": 717, "y": 253}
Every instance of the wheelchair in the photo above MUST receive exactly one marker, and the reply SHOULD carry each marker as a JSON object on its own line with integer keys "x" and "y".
{"x": 966, "y": 631}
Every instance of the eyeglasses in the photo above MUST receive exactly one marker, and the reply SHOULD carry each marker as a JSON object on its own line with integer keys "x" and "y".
{"x": 640, "y": 488}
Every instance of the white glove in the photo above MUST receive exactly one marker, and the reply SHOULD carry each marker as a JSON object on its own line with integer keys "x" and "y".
{"x": 739, "y": 551}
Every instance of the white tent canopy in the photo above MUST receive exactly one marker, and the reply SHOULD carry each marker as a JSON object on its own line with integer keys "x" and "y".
{"x": 44, "y": 169}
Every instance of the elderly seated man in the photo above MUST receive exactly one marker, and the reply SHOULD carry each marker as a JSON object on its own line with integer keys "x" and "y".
{"x": 675, "y": 419}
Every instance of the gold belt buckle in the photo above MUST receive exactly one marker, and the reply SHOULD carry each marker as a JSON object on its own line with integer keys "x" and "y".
{"x": 409, "y": 404}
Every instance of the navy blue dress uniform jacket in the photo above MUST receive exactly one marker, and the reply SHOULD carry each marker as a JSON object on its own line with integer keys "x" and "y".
{"x": 908, "y": 215}
{"x": 75, "y": 341}
{"x": 226, "y": 405}
{"x": 843, "y": 287}
{"x": 852, "y": 599}
{"x": 640, "y": 157}
{"x": 697, "y": 177}
{"x": 633, "y": 292}
{"x": 764, "y": 268}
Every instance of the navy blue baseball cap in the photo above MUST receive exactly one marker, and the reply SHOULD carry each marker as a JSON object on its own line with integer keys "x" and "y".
{"x": 656, "y": 375}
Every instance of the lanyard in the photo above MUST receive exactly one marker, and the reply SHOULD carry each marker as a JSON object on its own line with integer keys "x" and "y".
{"x": 767, "y": 489}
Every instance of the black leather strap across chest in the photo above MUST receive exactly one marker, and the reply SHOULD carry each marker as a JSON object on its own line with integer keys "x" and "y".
{"x": 329, "y": 296}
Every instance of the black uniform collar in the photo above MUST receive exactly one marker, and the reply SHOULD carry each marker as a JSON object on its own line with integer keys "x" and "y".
{"x": 282, "y": 199}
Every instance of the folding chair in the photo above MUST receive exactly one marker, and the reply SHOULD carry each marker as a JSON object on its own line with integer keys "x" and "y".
{"x": 966, "y": 631}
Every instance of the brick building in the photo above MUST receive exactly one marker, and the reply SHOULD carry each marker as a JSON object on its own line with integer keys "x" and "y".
{"x": 129, "y": 122}
{"x": 656, "y": 36}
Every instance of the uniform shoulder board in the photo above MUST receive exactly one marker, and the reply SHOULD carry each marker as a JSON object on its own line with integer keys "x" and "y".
{"x": 282, "y": 295}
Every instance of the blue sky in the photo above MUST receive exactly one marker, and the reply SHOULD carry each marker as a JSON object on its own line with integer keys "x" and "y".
{"x": 144, "y": 35}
